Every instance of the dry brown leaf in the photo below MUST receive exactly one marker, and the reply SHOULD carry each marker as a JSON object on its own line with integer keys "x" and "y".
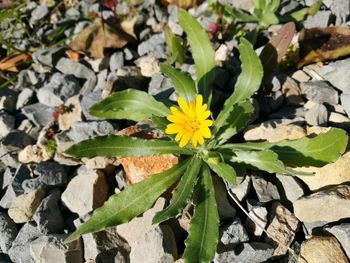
{"x": 72, "y": 55}
{"x": 185, "y": 4}
{"x": 5, "y": 3}
{"x": 9, "y": 63}
{"x": 98, "y": 36}
{"x": 322, "y": 44}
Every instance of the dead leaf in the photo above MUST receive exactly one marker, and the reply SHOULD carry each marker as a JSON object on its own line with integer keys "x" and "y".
{"x": 98, "y": 36}
{"x": 277, "y": 47}
{"x": 10, "y": 63}
{"x": 72, "y": 55}
{"x": 322, "y": 44}
{"x": 185, "y": 4}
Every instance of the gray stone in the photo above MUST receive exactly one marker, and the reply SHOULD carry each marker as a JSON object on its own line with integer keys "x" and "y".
{"x": 8, "y": 230}
{"x": 24, "y": 98}
{"x": 288, "y": 112}
{"x": 38, "y": 14}
{"x": 160, "y": 87}
{"x": 345, "y": 102}
{"x": 337, "y": 73}
{"x": 256, "y": 227}
{"x": 7, "y": 123}
{"x": 342, "y": 233}
{"x": 291, "y": 189}
{"x": 129, "y": 54}
{"x": 30, "y": 185}
{"x": 48, "y": 216}
{"x": 339, "y": 120}
{"x": 7, "y": 177}
{"x": 16, "y": 140}
{"x": 241, "y": 189}
{"x": 265, "y": 190}
{"x": 73, "y": 13}
{"x": 27, "y": 79}
{"x": 48, "y": 56}
{"x": 58, "y": 89}
{"x": 317, "y": 115}
{"x": 225, "y": 209}
{"x": 20, "y": 249}
{"x": 341, "y": 10}
{"x": 49, "y": 249}
{"x": 310, "y": 209}
{"x": 51, "y": 173}
{"x": 319, "y": 91}
{"x": 255, "y": 252}
{"x": 154, "y": 45}
{"x": 38, "y": 113}
{"x": 104, "y": 246}
{"x": 231, "y": 234}
{"x": 87, "y": 101}
{"x": 87, "y": 191}
{"x": 156, "y": 245}
{"x": 116, "y": 61}
{"x": 78, "y": 70}
{"x": 320, "y": 19}
{"x": 8, "y": 99}
{"x": 15, "y": 186}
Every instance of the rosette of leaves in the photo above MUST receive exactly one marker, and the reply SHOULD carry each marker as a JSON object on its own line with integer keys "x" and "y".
{"x": 193, "y": 174}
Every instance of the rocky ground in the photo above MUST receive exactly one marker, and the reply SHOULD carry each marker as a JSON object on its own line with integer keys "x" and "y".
{"x": 45, "y": 195}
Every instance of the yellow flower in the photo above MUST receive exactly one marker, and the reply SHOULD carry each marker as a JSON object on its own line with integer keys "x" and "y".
{"x": 190, "y": 122}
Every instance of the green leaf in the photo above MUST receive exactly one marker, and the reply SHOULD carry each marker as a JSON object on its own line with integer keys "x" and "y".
{"x": 317, "y": 151}
{"x": 182, "y": 193}
{"x": 237, "y": 120}
{"x": 223, "y": 170}
{"x": 123, "y": 146}
{"x": 263, "y": 160}
{"x": 202, "y": 51}
{"x": 274, "y": 4}
{"x": 269, "y": 18}
{"x": 204, "y": 227}
{"x": 131, "y": 202}
{"x": 175, "y": 49}
{"x": 301, "y": 14}
{"x": 129, "y": 104}
{"x": 183, "y": 83}
{"x": 248, "y": 82}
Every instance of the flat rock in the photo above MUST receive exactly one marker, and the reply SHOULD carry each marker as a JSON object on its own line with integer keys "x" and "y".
{"x": 87, "y": 191}
{"x": 133, "y": 230}
{"x": 20, "y": 250}
{"x": 104, "y": 246}
{"x": 231, "y": 234}
{"x": 265, "y": 190}
{"x": 339, "y": 120}
{"x": 7, "y": 123}
{"x": 345, "y": 102}
{"x": 148, "y": 65}
{"x": 16, "y": 140}
{"x": 48, "y": 249}
{"x": 282, "y": 229}
{"x": 320, "y": 19}
{"x": 291, "y": 189}
{"x": 156, "y": 245}
{"x": 291, "y": 92}
{"x": 273, "y": 132}
{"x": 8, "y": 230}
{"x": 310, "y": 209}
{"x": 48, "y": 216}
{"x": 241, "y": 190}
{"x": 317, "y": 115}
{"x": 342, "y": 233}
{"x": 337, "y": 73}
{"x": 254, "y": 252}
{"x": 330, "y": 174}
{"x": 24, "y": 206}
{"x": 256, "y": 227}
{"x": 15, "y": 186}
{"x": 320, "y": 92}
{"x": 38, "y": 113}
{"x": 51, "y": 173}
{"x": 321, "y": 249}
{"x": 48, "y": 56}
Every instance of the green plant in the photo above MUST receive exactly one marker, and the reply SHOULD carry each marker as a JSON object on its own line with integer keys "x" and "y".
{"x": 264, "y": 13}
{"x": 197, "y": 165}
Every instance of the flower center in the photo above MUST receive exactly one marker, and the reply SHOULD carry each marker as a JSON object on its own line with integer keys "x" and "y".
{"x": 194, "y": 125}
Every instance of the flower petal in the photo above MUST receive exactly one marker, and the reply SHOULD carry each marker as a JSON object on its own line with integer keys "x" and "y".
{"x": 183, "y": 106}
{"x": 205, "y": 131}
{"x": 185, "y": 139}
{"x": 173, "y": 128}
{"x": 207, "y": 123}
{"x": 200, "y": 139}
{"x": 178, "y": 136}
{"x": 194, "y": 140}
{"x": 204, "y": 115}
